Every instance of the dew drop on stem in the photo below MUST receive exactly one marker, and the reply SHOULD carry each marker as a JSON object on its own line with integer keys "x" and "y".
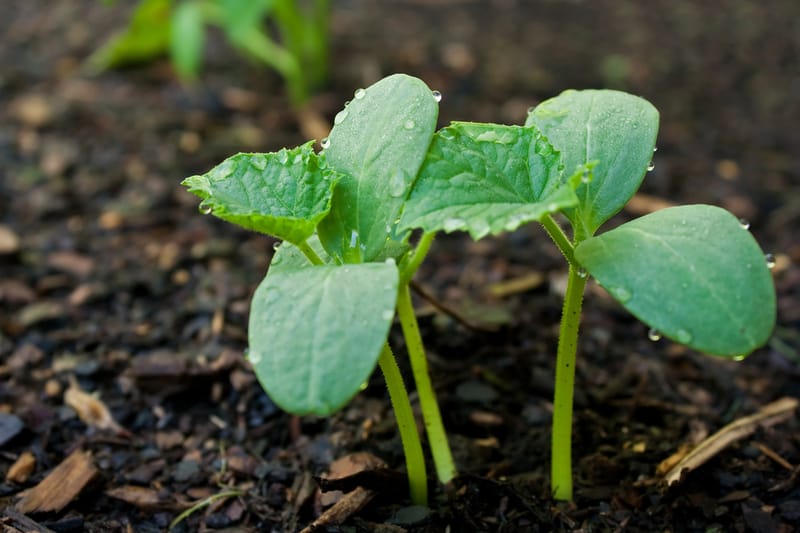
{"x": 770, "y": 259}
{"x": 582, "y": 273}
{"x": 654, "y": 334}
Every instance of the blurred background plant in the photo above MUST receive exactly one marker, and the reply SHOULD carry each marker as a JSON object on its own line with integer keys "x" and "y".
{"x": 288, "y": 36}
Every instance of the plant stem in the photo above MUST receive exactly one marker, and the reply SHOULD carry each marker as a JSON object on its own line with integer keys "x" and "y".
{"x": 437, "y": 438}
{"x": 559, "y": 237}
{"x": 309, "y": 252}
{"x": 410, "y": 268}
{"x": 561, "y": 446}
{"x": 412, "y": 447}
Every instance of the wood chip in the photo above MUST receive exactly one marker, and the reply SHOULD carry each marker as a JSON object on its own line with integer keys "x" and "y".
{"x": 20, "y": 471}
{"x": 92, "y": 411}
{"x": 61, "y": 486}
{"x": 13, "y": 521}
{"x": 528, "y": 282}
{"x": 769, "y": 415}
{"x": 141, "y": 497}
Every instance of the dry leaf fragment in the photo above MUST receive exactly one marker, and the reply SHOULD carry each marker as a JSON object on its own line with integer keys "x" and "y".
{"x": 91, "y": 410}
{"x": 61, "y": 485}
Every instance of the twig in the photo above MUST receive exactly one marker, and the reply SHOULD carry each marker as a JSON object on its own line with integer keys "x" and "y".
{"x": 446, "y": 309}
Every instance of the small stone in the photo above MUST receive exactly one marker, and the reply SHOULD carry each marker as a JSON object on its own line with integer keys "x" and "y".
{"x": 9, "y": 241}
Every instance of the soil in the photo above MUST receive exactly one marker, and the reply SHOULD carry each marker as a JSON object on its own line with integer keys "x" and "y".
{"x": 112, "y": 284}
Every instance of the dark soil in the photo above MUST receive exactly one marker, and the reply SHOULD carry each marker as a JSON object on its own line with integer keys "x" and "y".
{"x": 110, "y": 277}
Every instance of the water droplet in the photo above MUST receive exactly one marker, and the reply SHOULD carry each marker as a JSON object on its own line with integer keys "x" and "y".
{"x": 453, "y": 224}
{"x": 582, "y": 273}
{"x": 325, "y": 143}
{"x": 770, "y": 258}
{"x": 388, "y": 314}
{"x": 437, "y": 96}
{"x": 254, "y": 357}
{"x": 397, "y": 185}
{"x": 739, "y": 357}
{"x": 390, "y": 261}
{"x": 654, "y": 334}
{"x": 359, "y": 94}
{"x": 744, "y": 224}
{"x": 277, "y": 259}
{"x": 340, "y": 116}
{"x": 552, "y": 207}
{"x": 409, "y": 125}
{"x": 683, "y": 336}
{"x": 585, "y": 178}
{"x": 205, "y": 208}
{"x": 655, "y": 149}
{"x": 620, "y": 293}
{"x": 353, "y": 239}
{"x": 651, "y": 166}
{"x": 259, "y": 161}
{"x": 530, "y": 109}
{"x": 283, "y": 157}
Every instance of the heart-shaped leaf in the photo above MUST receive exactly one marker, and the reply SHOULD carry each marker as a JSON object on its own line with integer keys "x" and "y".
{"x": 486, "y": 178}
{"x": 378, "y": 142}
{"x": 283, "y": 194}
{"x": 615, "y": 129}
{"x": 316, "y": 333}
{"x": 692, "y": 273}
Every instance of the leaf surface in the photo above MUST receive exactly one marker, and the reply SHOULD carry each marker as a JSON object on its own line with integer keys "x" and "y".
{"x": 692, "y": 273}
{"x": 283, "y": 194}
{"x": 615, "y": 129}
{"x": 316, "y": 333}
{"x": 486, "y": 178}
{"x": 187, "y": 35}
{"x": 378, "y": 143}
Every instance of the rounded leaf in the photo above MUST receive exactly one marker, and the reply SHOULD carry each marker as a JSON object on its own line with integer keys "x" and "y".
{"x": 693, "y": 273}
{"x": 316, "y": 333}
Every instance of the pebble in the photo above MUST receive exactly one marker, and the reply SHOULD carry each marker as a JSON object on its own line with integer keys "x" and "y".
{"x": 9, "y": 241}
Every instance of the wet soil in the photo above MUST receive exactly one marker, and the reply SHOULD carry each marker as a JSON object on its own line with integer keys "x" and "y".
{"x": 112, "y": 284}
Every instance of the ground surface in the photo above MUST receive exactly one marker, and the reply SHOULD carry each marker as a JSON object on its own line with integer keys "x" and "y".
{"x": 109, "y": 277}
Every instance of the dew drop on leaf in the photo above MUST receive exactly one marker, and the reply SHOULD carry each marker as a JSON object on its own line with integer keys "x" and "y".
{"x": 770, "y": 258}
{"x": 651, "y": 166}
{"x": 437, "y": 96}
{"x": 340, "y": 116}
{"x": 620, "y": 293}
{"x": 325, "y": 143}
{"x": 655, "y": 148}
{"x": 390, "y": 261}
{"x": 552, "y": 207}
{"x": 388, "y": 314}
{"x": 276, "y": 245}
{"x": 254, "y": 357}
{"x": 744, "y": 224}
{"x": 409, "y": 125}
{"x": 654, "y": 334}
{"x": 283, "y": 157}
{"x": 359, "y": 94}
{"x": 205, "y": 208}
{"x": 259, "y": 161}
{"x": 683, "y": 336}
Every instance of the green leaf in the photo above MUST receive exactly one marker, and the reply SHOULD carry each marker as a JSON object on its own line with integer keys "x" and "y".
{"x": 692, "y": 273}
{"x": 486, "y": 178}
{"x": 616, "y": 129}
{"x": 378, "y": 142}
{"x": 186, "y": 38}
{"x": 316, "y": 333}
{"x": 284, "y": 194}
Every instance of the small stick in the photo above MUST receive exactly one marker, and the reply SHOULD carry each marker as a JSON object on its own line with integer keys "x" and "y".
{"x": 769, "y": 415}
{"x": 449, "y": 311}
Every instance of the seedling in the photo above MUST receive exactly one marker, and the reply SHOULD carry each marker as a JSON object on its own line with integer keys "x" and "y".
{"x": 692, "y": 273}
{"x": 319, "y": 321}
{"x": 298, "y": 49}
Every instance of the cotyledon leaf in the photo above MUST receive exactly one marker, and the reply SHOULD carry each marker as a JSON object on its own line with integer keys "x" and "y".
{"x": 487, "y": 178}
{"x": 284, "y": 194}
{"x": 692, "y": 273}
{"x": 315, "y": 334}
{"x": 615, "y": 129}
{"x": 378, "y": 143}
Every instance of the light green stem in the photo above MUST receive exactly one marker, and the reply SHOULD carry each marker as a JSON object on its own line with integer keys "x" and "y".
{"x": 409, "y": 269}
{"x": 559, "y": 237}
{"x": 437, "y": 438}
{"x": 309, "y": 252}
{"x": 412, "y": 447}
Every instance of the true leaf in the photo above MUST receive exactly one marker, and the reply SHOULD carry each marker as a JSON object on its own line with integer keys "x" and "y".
{"x": 486, "y": 178}
{"x": 378, "y": 143}
{"x": 284, "y": 194}
{"x": 692, "y": 273}
{"x": 615, "y": 129}
{"x": 315, "y": 334}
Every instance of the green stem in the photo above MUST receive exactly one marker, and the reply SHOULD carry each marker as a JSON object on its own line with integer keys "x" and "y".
{"x": 412, "y": 447}
{"x": 560, "y": 238}
{"x": 561, "y": 449}
{"x": 437, "y": 438}
{"x": 410, "y": 268}
{"x": 309, "y": 252}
